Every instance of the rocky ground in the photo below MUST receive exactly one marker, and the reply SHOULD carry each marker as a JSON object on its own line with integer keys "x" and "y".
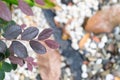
{"x": 98, "y": 60}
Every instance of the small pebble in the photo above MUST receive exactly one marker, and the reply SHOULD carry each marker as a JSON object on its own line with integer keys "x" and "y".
{"x": 93, "y": 45}
{"x": 99, "y": 61}
{"x": 75, "y": 46}
{"x": 101, "y": 45}
{"x": 68, "y": 71}
{"x": 84, "y": 68}
{"x": 84, "y": 75}
{"x": 116, "y": 30}
{"x": 94, "y": 72}
{"x": 104, "y": 39}
{"x": 108, "y": 56}
{"x": 117, "y": 37}
{"x": 97, "y": 67}
{"x": 63, "y": 65}
{"x": 109, "y": 77}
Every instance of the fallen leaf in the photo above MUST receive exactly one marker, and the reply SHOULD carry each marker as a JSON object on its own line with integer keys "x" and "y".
{"x": 49, "y": 64}
{"x": 117, "y": 78}
{"x": 84, "y": 40}
{"x": 104, "y": 21}
{"x": 65, "y": 34}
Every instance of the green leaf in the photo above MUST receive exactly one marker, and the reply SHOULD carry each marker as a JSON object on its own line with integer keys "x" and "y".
{"x": 12, "y": 32}
{"x": 48, "y": 4}
{"x": 2, "y": 22}
{"x": 14, "y": 66}
{"x": 2, "y": 56}
{"x": 6, "y": 67}
{"x": 29, "y": 2}
{"x": 2, "y": 75}
{"x": 7, "y": 53}
{"x": 11, "y": 1}
{"x": 0, "y": 65}
{"x": 7, "y": 25}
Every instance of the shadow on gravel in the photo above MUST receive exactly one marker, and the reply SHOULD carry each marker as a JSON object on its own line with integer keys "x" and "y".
{"x": 73, "y": 58}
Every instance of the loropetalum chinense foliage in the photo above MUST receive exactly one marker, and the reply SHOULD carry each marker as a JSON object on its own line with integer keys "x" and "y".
{"x": 17, "y": 53}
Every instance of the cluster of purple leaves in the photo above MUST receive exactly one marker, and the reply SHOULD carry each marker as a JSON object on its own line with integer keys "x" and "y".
{"x": 5, "y": 13}
{"x": 18, "y": 53}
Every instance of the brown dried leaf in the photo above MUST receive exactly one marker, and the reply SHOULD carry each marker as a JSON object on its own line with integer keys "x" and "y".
{"x": 117, "y": 78}
{"x": 104, "y": 21}
{"x": 84, "y": 40}
{"x": 49, "y": 65}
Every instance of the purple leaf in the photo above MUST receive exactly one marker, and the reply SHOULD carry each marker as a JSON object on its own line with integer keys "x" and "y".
{"x": 25, "y": 8}
{"x": 3, "y": 47}
{"x": 40, "y": 2}
{"x": 29, "y": 33}
{"x": 37, "y": 47}
{"x": 5, "y": 12}
{"x": 16, "y": 60}
{"x": 52, "y": 44}
{"x": 29, "y": 59}
{"x": 23, "y": 26}
{"x": 29, "y": 66}
{"x": 46, "y": 33}
{"x": 12, "y": 32}
{"x": 19, "y": 49}
{"x": 34, "y": 63}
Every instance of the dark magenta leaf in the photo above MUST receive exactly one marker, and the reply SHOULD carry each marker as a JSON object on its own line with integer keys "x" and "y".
{"x": 46, "y": 33}
{"x": 19, "y": 49}
{"x": 23, "y": 26}
{"x": 5, "y": 12}
{"x": 29, "y": 59}
{"x": 52, "y": 44}
{"x": 29, "y": 33}
{"x": 3, "y": 47}
{"x": 16, "y": 60}
{"x": 12, "y": 32}
{"x": 34, "y": 63}
{"x": 40, "y": 2}
{"x": 37, "y": 47}
{"x": 6, "y": 67}
{"x": 25, "y": 8}
{"x": 29, "y": 66}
